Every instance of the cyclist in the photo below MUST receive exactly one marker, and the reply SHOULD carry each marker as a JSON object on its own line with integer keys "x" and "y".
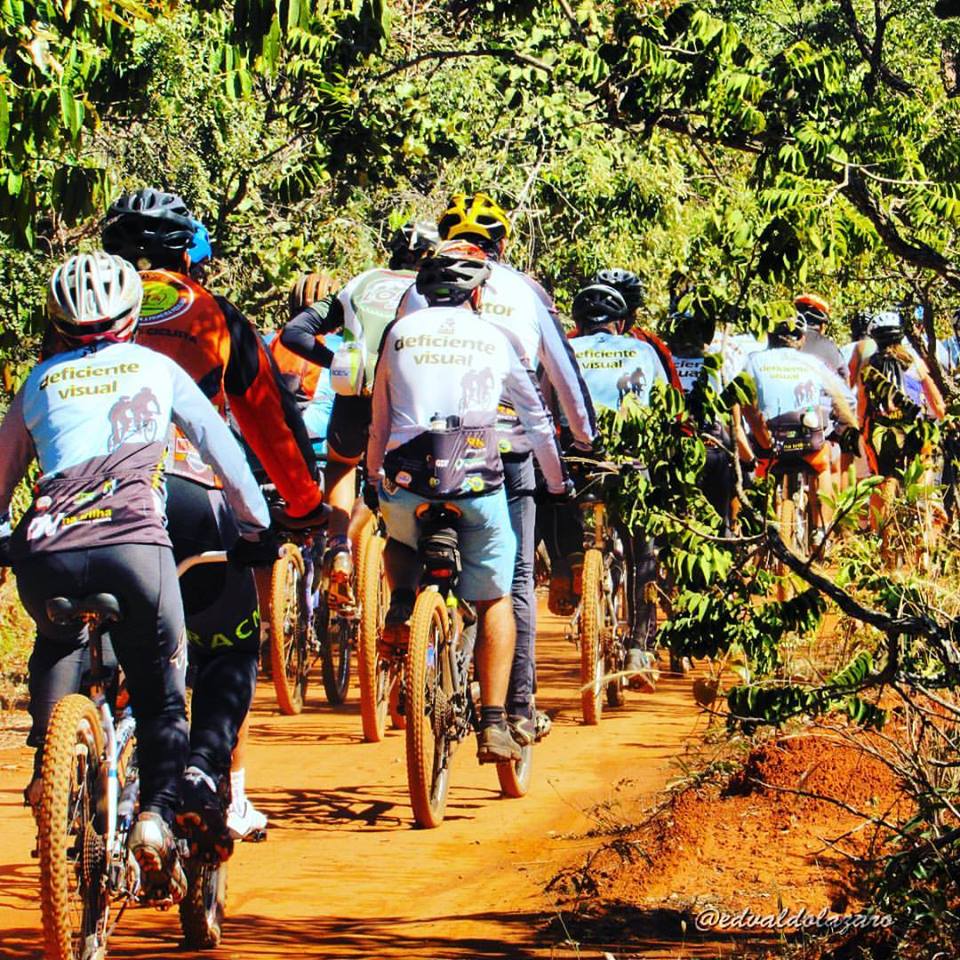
{"x": 223, "y": 353}
{"x": 786, "y": 386}
{"x": 97, "y": 523}
{"x": 630, "y": 287}
{"x": 948, "y": 349}
{"x": 517, "y": 304}
{"x": 613, "y": 365}
{"x": 363, "y": 309}
{"x": 858, "y": 321}
{"x": 438, "y": 385}
{"x": 895, "y": 390}
{"x": 691, "y": 332}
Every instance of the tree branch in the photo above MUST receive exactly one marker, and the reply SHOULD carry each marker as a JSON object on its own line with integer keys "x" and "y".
{"x": 497, "y": 53}
{"x": 872, "y": 53}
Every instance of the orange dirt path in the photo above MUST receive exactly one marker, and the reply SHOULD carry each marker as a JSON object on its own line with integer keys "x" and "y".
{"x": 343, "y": 874}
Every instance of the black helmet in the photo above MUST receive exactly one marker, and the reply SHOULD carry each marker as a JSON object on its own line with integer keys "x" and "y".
{"x": 450, "y": 276}
{"x": 412, "y": 242}
{"x": 149, "y": 224}
{"x": 859, "y": 322}
{"x": 886, "y": 328}
{"x": 689, "y": 328}
{"x": 306, "y": 291}
{"x": 629, "y": 285}
{"x": 599, "y": 304}
{"x": 790, "y": 332}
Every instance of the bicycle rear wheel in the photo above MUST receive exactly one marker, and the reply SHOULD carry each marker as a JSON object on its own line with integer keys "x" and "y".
{"x": 787, "y": 522}
{"x": 515, "y": 776}
{"x": 289, "y": 656}
{"x": 591, "y": 624}
{"x": 375, "y": 675}
{"x": 427, "y": 703}
{"x": 73, "y": 896}
{"x": 203, "y": 908}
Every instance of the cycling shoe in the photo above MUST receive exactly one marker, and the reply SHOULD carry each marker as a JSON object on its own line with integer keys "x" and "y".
{"x": 643, "y": 672}
{"x": 153, "y": 847}
{"x": 200, "y": 816}
{"x": 497, "y": 745}
{"x": 246, "y": 822}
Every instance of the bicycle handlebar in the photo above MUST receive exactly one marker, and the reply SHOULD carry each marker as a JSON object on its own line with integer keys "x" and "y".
{"x": 208, "y": 556}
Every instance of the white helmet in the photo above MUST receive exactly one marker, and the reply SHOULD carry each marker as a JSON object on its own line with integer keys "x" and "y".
{"x": 95, "y": 296}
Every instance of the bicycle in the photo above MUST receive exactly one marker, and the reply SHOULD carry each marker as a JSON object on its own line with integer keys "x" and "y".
{"x": 440, "y": 694}
{"x": 600, "y": 623}
{"x": 303, "y": 628}
{"x": 89, "y": 801}
{"x": 380, "y": 670}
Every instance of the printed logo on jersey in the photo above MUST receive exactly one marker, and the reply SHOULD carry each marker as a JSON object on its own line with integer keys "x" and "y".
{"x": 134, "y": 417}
{"x": 164, "y": 299}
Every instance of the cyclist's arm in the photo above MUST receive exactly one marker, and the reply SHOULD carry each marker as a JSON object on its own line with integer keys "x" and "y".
{"x": 379, "y": 418}
{"x": 198, "y": 419}
{"x": 268, "y": 416}
{"x": 537, "y": 423}
{"x": 300, "y": 335}
{"x": 560, "y": 364}
{"x": 932, "y": 393}
{"x": 16, "y": 451}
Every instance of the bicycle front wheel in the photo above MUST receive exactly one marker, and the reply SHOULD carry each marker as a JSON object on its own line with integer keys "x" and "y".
{"x": 427, "y": 705}
{"x": 335, "y": 657}
{"x": 591, "y": 641}
{"x": 289, "y": 656}
{"x": 73, "y": 893}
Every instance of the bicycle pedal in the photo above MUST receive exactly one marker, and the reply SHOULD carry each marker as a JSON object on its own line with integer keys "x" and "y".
{"x": 255, "y": 836}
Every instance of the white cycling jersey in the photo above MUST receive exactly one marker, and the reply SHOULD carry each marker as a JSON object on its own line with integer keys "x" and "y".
{"x": 789, "y": 381}
{"x": 437, "y": 392}
{"x": 511, "y": 300}
{"x": 97, "y": 420}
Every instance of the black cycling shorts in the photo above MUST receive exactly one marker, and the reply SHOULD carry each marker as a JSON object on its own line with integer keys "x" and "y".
{"x": 349, "y": 426}
{"x": 219, "y": 599}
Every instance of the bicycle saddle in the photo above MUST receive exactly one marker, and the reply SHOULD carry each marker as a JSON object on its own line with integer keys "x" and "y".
{"x": 64, "y": 611}
{"x": 441, "y": 514}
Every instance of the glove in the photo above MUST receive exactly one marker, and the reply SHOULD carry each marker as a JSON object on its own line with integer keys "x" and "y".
{"x": 568, "y": 495}
{"x": 371, "y": 496}
{"x": 849, "y": 441}
{"x": 261, "y": 552}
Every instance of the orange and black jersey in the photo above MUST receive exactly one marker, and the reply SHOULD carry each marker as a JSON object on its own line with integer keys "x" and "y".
{"x": 209, "y": 337}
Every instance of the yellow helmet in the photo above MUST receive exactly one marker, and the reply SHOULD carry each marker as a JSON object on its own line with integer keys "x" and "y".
{"x": 475, "y": 215}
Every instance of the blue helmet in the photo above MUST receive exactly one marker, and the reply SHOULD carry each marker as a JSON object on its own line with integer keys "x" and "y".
{"x": 200, "y": 249}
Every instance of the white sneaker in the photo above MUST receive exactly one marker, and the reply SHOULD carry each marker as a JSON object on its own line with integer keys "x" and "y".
{"x": 642, "y": 668}
{"x": 246, "y": 822}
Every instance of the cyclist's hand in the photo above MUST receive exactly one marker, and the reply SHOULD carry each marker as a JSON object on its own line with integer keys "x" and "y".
{"x": 261, "y": 552}
{"x": 849, "y": 441}
{"x": 567, "y": 495}
{"x": 371, "y": 496}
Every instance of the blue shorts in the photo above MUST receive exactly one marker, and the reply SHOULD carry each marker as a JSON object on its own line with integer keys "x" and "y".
{"x": 488, "y": 547}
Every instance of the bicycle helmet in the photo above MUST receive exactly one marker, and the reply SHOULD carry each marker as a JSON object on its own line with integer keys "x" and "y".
{"x": 859, "y": 323}
{"x": 95, "y": 296}
{"x": 412, "y": 242}
{"x": 474, "y": 215}
{"x": 629, "y": 285}
{"x": 886, "y": 328}
{"x": 814, "y": 309}
{"x": 453, "y": 273}
{"x": 689, "y": 328}
{"x": 597, "y": 304}
{"x": 790, "y": 332}
{"x": 151, "y": 225}
{"x": 306, "y": 291}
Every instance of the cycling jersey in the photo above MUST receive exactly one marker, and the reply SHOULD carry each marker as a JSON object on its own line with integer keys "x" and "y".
{"x": 436, "y": 394}
{"x": 734, "y": 348}
{"x": 96, "y": 418}
{"x": 365, "y": 307}
{"x": 948, "y": 354}
{"x": 220, "y": 349}
{"x": 510, "y": 302}
{"x": 299, "y": 374}
{"x": 788, "y": 381}
{"x": 615, "y": 365}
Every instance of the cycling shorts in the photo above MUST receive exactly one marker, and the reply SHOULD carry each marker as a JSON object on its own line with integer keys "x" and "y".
{"x": 819, "y": 461}
{"x": 488, "y": 546}
{"x": 349, "y": 427}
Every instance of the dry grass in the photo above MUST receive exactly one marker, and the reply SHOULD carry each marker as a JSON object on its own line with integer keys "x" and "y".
{"x": 16, "y": 642}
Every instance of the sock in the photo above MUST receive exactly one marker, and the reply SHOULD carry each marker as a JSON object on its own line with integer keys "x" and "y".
{"x": 492, "y": 717}
{"x": 237, "y": 784}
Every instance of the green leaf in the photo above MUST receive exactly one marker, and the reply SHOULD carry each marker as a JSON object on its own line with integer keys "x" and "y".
{"x": 4, "y": 116}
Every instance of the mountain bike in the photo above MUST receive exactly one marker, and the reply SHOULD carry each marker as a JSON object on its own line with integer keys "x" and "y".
{"x": 440, "y": 695}
{"x": 303, "y": 628}
{"x": 601, "y": 620}
{"x": 380, "y": 670}
{"x": 89, "y": 801}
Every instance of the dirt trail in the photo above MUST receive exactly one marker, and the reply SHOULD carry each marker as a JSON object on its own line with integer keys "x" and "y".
{"x": 344, "y": 875}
